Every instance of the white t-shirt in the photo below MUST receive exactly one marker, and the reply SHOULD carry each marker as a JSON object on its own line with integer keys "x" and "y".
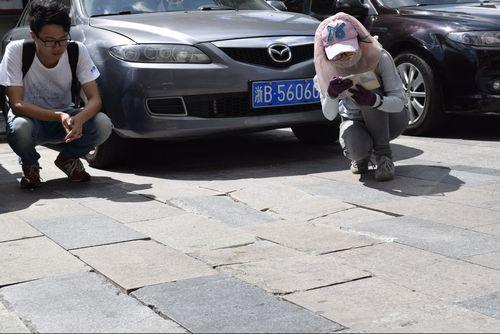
{"x": 45, "y": 87}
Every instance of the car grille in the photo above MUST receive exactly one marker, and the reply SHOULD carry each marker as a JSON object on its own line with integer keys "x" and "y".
{"x": 235, "y": 105}
{"x": 260, "y": 56}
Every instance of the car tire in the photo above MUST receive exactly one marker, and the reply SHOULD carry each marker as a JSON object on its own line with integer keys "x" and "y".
{"x": 317, "y": 134}
{"x": 108, "y": 153}
{"x": 422, "y": 93}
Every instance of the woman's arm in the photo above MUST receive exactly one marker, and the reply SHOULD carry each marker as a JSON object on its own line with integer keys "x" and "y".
{"x": 393, "y": 100}
{"x": 329, "y": 106}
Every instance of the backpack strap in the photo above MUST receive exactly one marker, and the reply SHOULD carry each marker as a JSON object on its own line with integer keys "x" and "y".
{"x": 3, "y": 102}
{"x": 29, "y": 51}
{"x": 73, "y": 54}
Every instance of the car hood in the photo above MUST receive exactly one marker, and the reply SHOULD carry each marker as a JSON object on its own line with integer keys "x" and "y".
{"x": 468, "y": 15}
{"x": 206, "y": 26}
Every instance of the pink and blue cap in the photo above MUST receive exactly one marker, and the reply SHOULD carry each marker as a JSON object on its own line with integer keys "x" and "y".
{"x": 339, "y": 36}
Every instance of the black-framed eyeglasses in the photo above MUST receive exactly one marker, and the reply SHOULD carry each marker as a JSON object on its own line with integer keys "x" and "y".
{"x": 49, "y": 43}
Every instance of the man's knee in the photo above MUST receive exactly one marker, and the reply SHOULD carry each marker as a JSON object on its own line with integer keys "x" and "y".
{"x": 20, "y": 131}
{"x": 102, "y": 127}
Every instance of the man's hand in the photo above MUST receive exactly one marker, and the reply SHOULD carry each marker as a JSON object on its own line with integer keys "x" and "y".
{"x": 337, "y": 85}
{"x": 73, "y": 127}
{"x": 363, "y": 96}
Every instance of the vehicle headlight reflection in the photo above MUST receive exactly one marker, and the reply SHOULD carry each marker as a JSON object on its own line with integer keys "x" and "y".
{"x": 159, "y": 53}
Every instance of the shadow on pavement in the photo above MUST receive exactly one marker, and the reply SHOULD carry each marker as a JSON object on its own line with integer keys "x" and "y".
{"x": 13, "y": 198}
{"x": 416, "y": 180}
{"x": 272, "y": 154}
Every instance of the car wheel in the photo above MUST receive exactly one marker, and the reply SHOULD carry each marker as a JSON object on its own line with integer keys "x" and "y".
{"x": 108, "y": 153}
{"x": 422, "y": 93}
{"x": 317, "y": 134}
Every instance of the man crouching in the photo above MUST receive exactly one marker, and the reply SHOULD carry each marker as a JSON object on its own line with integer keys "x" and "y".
{"x": 42, "y": 101}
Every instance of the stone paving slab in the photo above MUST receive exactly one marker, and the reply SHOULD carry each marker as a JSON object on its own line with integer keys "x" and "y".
{"x": 224, "y": 209}
{"x": 13, "y": 228}
{"x": 345, "y": 191}
{"x": 472, "y": 155}
{"x": 257, "y": 251}
{"x": 428, "y": 273}
{"x": 220, "y": 304}
{"x": 378, "y": 306}
{"x": 82, "y": 303}
{"x": 495, "y": 171}
{"x": 169, "y": 189}
{"x": 488, "y": 305}
{"x": 53, "y": 208}
{"x": 490, "y": 260}
{"x": 351, "y": 217}
{"x": 313, "y": 238}
{"x": 478, "y": 197}
{"x": 309, "y": 208}
{"x": 133, "y": 208}
{"x": 35, "y": 258}
{"x": 437, "y": 238}
{"x": 262, "y": 195}
{"x": 493, "y": 229}
{"x": 72, "y": 232}
{"x": 140, "y": 263}
{"x": 459, "y": 175}
{"x": 299, "y": 273}
{"x": 459, "y": 215}
{"x": 10, "y": 323}
{"x": 224, "y": 186}
{"x": 189, "y": 233}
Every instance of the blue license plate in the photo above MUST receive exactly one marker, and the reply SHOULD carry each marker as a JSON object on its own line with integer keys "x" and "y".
{"x": 283, "y": 93}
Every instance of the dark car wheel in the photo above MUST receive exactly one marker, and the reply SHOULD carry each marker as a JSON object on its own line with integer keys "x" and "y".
{"x": 108, "y": 153}
{"x": 422, "y": 93}
{"x": 317, "y": 134}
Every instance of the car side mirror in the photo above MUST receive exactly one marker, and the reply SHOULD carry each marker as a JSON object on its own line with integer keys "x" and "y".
{"x": 279, "y": 5}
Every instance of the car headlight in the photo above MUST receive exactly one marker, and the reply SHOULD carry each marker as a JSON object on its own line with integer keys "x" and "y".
{"x": 478, "y": 38}
{"x": 159, "y": 53}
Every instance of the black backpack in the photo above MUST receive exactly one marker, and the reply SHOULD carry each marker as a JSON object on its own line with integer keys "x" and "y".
{"x": 29, "y": 50}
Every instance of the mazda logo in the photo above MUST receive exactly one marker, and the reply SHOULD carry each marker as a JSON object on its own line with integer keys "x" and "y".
{"x": 280, "y": 53}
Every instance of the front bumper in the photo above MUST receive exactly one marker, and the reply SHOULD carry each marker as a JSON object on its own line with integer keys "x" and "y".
{"x": 199, "y": 89}
{"x": 468, "y": 74}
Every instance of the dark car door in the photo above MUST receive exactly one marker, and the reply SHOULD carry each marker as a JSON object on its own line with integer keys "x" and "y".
{"x": 366, "y": 11}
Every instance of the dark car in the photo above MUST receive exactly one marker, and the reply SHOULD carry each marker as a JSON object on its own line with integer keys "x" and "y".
{"x": 177, "y": 69}
{"x": 447, "y": 51}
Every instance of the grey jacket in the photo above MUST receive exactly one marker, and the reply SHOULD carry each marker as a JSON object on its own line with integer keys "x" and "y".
{"x": 391, "y": 91}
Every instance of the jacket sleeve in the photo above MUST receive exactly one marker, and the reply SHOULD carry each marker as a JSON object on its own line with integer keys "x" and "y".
{"x": 393, "y": 100}
{"x": 329, "y": 106}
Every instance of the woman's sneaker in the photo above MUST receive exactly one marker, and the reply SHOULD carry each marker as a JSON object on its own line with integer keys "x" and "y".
{"x": 31, "y": 178}
{"x": 73, "y": 168}
{"x": 360, "y": 166}
{"x": 385, "y": 169}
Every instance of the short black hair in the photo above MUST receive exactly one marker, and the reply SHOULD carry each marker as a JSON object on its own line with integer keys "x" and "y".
{"x": 44, "y": 12}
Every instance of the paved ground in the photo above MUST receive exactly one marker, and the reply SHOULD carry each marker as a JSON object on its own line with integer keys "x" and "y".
{"x": 256, "y": 234}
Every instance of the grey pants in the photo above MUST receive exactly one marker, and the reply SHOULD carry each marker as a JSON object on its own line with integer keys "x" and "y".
{"x": 359, "y": 138}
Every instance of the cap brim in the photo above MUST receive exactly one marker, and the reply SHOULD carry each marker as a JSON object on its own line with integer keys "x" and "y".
{"x": 349, "y": 45}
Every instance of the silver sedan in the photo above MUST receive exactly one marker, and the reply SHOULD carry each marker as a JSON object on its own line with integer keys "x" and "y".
{"x": 174, "y": 69}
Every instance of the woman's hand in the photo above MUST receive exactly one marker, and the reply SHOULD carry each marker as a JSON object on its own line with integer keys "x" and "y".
{"x": 337, "y": 85}
{"x": 363, "y": 96}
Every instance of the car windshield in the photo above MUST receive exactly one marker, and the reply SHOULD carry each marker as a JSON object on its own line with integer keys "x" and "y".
{"x": 117, "y": 7}
{"x": 412, "y": 3}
